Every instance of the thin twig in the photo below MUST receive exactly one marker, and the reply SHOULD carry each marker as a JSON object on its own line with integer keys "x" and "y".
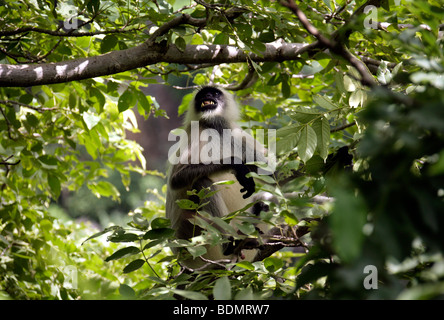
{"x": 343, "y": 127}
{"x": 8, "y": 103}
{"x": 335, "y": 47}
{"x": 6, "y": 163}
{"x": 8, "y": 124}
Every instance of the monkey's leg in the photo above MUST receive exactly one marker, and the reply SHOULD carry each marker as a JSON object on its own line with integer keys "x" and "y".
{"x": 215, "y": 206}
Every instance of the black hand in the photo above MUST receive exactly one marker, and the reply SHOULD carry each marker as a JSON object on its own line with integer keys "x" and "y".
{"x": 246, "y": 182}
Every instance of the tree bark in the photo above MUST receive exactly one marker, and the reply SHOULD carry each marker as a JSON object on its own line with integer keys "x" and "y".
{"x": 141, "y": 56}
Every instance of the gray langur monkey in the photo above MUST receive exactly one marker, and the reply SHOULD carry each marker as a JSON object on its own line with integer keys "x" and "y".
{"x": 217, "y": 150}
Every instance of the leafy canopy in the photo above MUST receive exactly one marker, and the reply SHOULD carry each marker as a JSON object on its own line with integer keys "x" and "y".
{"x": 337, "y": 79}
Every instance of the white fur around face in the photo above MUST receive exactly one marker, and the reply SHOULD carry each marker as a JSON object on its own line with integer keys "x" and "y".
{"x": 229, "y": 111}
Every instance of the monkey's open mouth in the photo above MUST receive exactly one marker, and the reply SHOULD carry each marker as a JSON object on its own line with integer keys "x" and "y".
{"x": 208, "y": 103}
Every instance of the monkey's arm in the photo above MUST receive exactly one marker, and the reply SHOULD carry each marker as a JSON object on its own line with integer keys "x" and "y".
{"x": 184, "y": 175}
{"x": 246, "y": 182}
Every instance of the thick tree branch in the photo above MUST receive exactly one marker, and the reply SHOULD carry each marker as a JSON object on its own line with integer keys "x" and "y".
{"x": 141, "y": 56}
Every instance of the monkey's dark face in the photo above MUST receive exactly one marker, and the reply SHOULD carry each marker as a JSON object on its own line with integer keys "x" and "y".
{"x": 208, "y": 98}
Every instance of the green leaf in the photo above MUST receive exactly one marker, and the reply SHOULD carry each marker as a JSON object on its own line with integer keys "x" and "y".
{"x": 123, "y": 237}
{"x": 140, "y": 220}
{"x": 108, "y": 43}
{"x": 126, "y": 291}
{"x": 315, "y": 165}
{"x": 197, "y": 251}
{"x": 269, "y": 109}
{"x": 322, "y": 129}
{"x": 287, "y": 143}
{"x": 311, "y": 273}
{"x": 221, "y": 38}
{"x": 105, "y": 189}
{"x": 97, "y": 95}
{"x": 192, "y": 295}
{"x": 427, "y": 291}
{"x": 273, "y": 264}
{"x": 222, "y": 289}
{"x": 93, "y": 6}
{"x": 246, "y": 265}
{"x": 186, "y": 100}
{"x": 356, "y": 98}
{"x": 305, "y": 114}
{"x": 350, "y": 84}
{"x": 307, "y": 143}
{"x": 246, "y": 228}
{"x": 54, "y": 184}
{"x": 286, "y": 88}
{"x": 225, "y": 226}
{"x": 347, "y": 221}
{"x": 106, "y": 230}
{"x": 291, "y": 129}
{"x": 200, "y": 79}
{"x": 187, "y": 204}
{"x": 11, "y": 115}
{"x": 133, "y": 266}
{"x": 143, "y": 102}
{"x": 160, "y": 233}
{"x": 126, "y": 101}
{"x": 245, "y": 30}
{"x": 152, "y": 244}
{"x": 160, "y": 223}
{"x": 49, "y": 160}
{"x": 128, "y": 251}
{"x": 267, "y": 36}
{"x": 259, "y": 47}
{"x": 288, "y": 137}
{"x": 324, "y": 102}
{"x": 275, "y": 80}
{"x": 339, "y": 81}
{"x": 91, "y": 120}
{"x": 32, "y": 120}
{"x": 181, "y": 44}
{"x": 224, "y": 182}
{"x": 245, "y": 294}
{"x": 383, "y": 74}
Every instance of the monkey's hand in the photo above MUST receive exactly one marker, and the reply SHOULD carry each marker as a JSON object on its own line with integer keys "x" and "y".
{"x": 246, "y": 182}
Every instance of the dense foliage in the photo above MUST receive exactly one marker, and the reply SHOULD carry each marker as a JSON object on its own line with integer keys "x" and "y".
{"x": 359, "y": 117}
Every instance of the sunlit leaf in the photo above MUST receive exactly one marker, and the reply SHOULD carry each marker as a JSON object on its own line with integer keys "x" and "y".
{"x": 307, "y": 143}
